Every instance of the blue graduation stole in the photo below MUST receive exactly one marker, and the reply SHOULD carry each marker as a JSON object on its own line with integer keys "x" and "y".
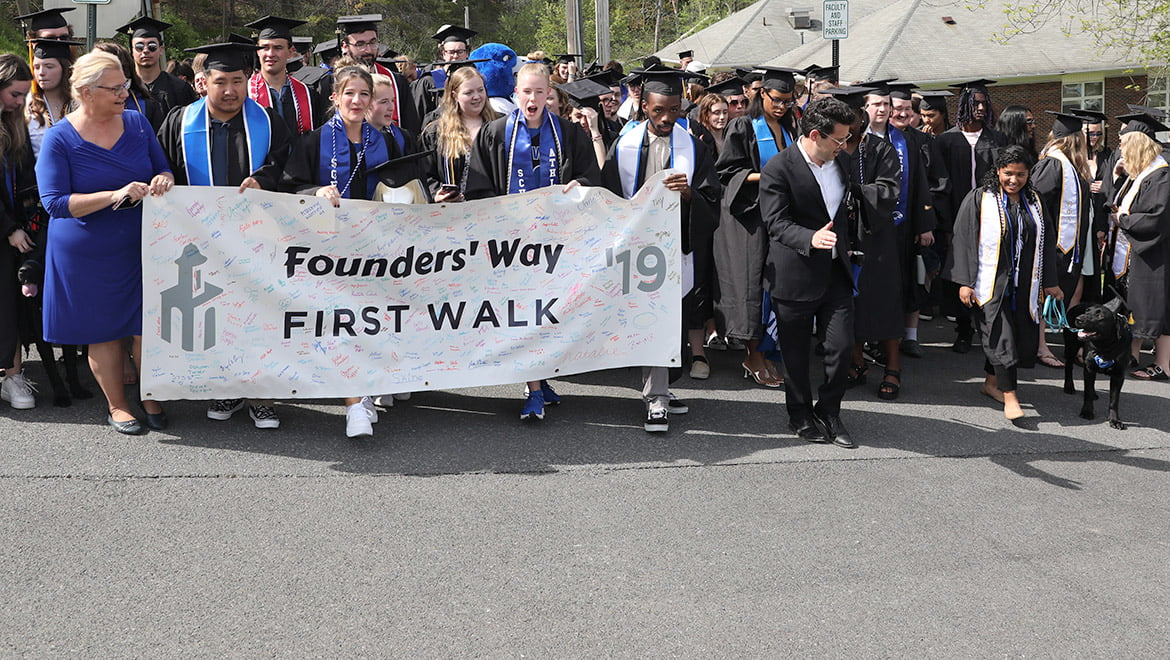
{"x": 439, "y": 77}
{"x": 399, "y": 138}
{"x": 196, "y": 140}
{"x": 334, "y": 166}
{"x": 766, "y": 142}
{"x": 528, "y": 170}
{"x": 899, "y": 141}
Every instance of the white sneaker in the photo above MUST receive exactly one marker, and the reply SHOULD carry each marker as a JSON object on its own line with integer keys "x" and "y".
{"x": 368, "y": 404}
{"x": 18, "y": 391}
{"x": 357, "y": 422}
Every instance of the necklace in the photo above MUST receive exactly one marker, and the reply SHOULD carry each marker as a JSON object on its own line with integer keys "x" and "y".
{"x": 357, "y": 162}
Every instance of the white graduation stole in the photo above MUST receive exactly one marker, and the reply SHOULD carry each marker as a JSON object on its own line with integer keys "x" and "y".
{"x": 1070, "y": 202}
{"x": 1121, "y": 249}
{"x": 992, "y": 225}
{"x": 629, "y": 152}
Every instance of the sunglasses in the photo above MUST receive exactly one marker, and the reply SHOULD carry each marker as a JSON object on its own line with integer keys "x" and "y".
{"x": 1096, "y": 133}
{"x": 152, "y": 47}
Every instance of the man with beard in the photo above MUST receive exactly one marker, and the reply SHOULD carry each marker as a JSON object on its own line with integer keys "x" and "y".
{"x": 146, "y": 45}
{"x": 272, "y": 87}
{"x": 661, "y": 143}
{"x": 529, "y": 149}
{"x": 967, "y": 153}
{"x": 359, "y": 40}
{"x": 247, "y": 148}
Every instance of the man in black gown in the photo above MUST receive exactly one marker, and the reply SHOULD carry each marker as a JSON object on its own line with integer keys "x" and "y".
{"x": 360, "y": 41}
{"x": 299, "y": 105}
{"x": 806, "y": 207}
{"x": 454, "y": 46}
{"x": 146, "y": 46}
{"x": 237, "y": 125}
{"x": 660, "y": 143}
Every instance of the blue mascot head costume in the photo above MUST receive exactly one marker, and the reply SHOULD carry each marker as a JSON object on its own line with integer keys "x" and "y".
{"x": 498, "y": 71}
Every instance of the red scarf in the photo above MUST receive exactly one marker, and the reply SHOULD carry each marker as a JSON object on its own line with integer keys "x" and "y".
{"x": 378, "y": 68}
{"x": 258, "y": 92}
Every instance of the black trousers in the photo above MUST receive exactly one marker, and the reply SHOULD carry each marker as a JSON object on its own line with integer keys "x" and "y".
{"x": 834, "y": 316}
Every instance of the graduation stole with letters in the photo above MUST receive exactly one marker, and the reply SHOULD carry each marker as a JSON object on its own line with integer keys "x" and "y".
{"x": 196, "y": 140}
{"x": 1069, "y": 218}
{"x": 396, "y": 118}
{"x": 899, "y": 142}
{"x": 766, "y": 142}
{"x": 528, "y": 168}
{"x": 1129, "y": 193}
{"x": 629, "y": 156}
{"x": 333, "y": 164}
{"x": 258, "y": 91}
{"x": 992, "y": 229}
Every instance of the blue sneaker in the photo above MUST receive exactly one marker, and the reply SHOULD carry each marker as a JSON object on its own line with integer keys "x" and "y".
{"x": 533, "y": 407}
{"x": 551, "y": 398}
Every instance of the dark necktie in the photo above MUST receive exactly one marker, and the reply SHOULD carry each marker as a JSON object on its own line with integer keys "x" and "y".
{"x": 219, "y": 153}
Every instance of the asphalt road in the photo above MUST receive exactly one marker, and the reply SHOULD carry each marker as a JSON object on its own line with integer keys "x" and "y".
{"x": 457, "y": 531}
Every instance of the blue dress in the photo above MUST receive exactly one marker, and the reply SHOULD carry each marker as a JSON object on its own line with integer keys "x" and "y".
{"x": 93, "y": 264}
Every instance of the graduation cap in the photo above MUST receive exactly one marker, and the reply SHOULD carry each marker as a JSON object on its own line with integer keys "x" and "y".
{"x": 1090, "y": 116}
{"x": 879, "y": 87}
{"x": 814, "y": 73}
{"x": 696, "y": 77}
{"x": 1142, "y": 122}
{"x": 144, "y": 27}
{"x": 566, "y": 57}
{"x": 53, "y": 49}
{"x": 449, "y": 33}
{"x": 904, "y": 91}
{"x": 358, "y": 23}
{"x": 403, "y": 178}
{"x": 326, "y": 48}
{"x": 592, "y": 68}
{"x": 974, "y": 85}
{"x": 934, "y": 99}
{"x": 236, "y": 38}
{"x": 685, "y": 54}
{"x": 228, "y": 56}
{"x": 389, "y": 53}
{"x": 668, "y": 82}
{"x": 854, "y": 97}
{"x": 651, "y": 60}
{"x": 729, "y": 87}
{"x": 1153, "y": 112}
{"x": 585, "y": 93}
{"x": 607, "y": 77}
{"x": 48, "y": 19}
{"x": 779, "y": 78}
{"x": 275, "y": 27}
{"x": 390, "y": 61}
{"x": 1065, "y": 123}
{"x": 454, "y": 66}
{"x": 749, "y": 75}
{"x": 302, "y": 43}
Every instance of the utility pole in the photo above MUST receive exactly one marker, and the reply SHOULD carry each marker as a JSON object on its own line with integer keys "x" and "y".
{"x": 601, "y": 29}
{"x": 574, "y": 36}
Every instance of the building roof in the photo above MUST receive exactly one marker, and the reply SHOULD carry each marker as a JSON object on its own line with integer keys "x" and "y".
{"x": 907, "y": 39}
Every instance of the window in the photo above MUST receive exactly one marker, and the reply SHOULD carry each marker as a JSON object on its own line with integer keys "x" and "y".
{"x": 1158, "y": 93}
{"x": 1086, "y": 95}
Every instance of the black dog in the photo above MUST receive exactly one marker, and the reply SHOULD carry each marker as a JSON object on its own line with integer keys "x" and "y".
{"x": 31, "y": 275}
{"x": 1106, "y": 337}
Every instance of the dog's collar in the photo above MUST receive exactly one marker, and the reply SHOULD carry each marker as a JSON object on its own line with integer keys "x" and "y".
{"x": 1103, "y": 364}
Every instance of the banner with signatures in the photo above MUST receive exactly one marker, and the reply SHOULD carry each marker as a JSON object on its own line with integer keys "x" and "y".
{"x": 272, "y": 295}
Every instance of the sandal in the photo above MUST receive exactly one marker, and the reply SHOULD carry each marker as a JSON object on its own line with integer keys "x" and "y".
{"x": 762, "y": 377}
{"x": 774, "y": 372}
{"x": 888, "y": 391}
{"x": 1152, "y": 372}
{"x": 856, "y": 375}
{"x": 1050, "y": 360}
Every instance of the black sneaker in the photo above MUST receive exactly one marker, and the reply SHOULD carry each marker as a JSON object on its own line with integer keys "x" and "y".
{"x": 223, "y": 409}
{"x": 962, "y": 345}
{"x": 677, "y": 406}
{"x": 264, "y": 417}
{"x": 657, "y": 421}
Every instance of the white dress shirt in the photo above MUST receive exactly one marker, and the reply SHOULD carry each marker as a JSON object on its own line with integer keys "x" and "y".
{"x": 828, "y": 178}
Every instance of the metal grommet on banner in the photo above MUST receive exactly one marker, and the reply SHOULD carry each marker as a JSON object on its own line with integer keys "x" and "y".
{"x": 294, "y": 392}
{"x": 302, "y": 201}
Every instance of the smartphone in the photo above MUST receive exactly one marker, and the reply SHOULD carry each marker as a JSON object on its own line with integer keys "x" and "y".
{"x": 448, "y": 188}
{"x": 126, "y": 203}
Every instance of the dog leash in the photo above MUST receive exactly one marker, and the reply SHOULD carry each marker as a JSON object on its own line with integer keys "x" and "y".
{"x": 1055, "y": 315}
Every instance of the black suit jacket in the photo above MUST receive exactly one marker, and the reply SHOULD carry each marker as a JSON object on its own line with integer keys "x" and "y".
{"x": 793, "y": 210}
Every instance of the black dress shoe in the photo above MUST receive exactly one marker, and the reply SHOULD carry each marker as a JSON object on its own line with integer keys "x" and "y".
{"x": 911, "y": 347}
{"x": 156, "y": 421}
{"x": 807, "y": 430}
{"x": 835, "y": 430}
{"x": 129, "y": 427}
{"x": 962, "y": 345}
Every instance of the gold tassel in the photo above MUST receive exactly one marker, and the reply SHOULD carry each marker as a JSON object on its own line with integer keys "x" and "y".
{"x": 33, "y": 87}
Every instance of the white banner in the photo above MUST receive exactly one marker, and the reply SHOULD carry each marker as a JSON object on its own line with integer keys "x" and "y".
{"x": 271, "y": 295}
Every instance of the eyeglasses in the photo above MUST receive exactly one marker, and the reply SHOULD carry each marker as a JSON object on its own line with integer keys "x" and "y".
{"x": 455, "y": 51}
{"x": 780, "y": 102}
{"x": 841, "y": 142}
{"x": 737, "y": 102}
{"x": 362, "y": 45}
{"x": 124, "y": 87}
{"x": 152, "y": 46}
{"x": 1096, "y": 133}
{"x": 1030, "y": 122}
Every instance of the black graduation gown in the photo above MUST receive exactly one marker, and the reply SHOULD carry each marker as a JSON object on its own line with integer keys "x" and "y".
{"x": 288, "y": 110}
{"x": 741, "y": 241}
{"x": 170, "y": 92}
{"x": 920, "y": 211}
{"x": 303, "y": 166}
{"x": 1100, "y": 215}
{"x": 487, "y": 173}
{"x": 953, "y": 154}
{"x": 268, "y": 174}
{"x": 1047, "y": 180}
{"x": 17, "y": 316}
{"x": 1147, "y": 225}
{"x": 874, "y": 170}
{"x": 315, "y": 77}
{"x": 1010, "y": 336}
{"x": 424, "y": 95}
{"x": 442, "y": 170}
{"x": 148, "y": 107}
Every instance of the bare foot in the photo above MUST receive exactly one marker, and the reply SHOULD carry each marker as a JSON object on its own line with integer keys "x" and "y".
{"x": 992, "y": 391}
{"x": 1011, "y": 406}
